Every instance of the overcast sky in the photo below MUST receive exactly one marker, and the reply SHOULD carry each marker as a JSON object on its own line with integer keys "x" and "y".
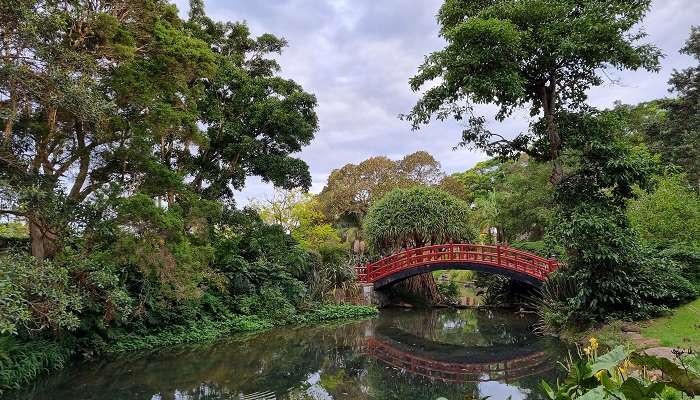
{"x": 356, "y": 56}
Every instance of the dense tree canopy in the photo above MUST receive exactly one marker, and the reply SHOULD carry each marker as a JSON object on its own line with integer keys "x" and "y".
{"x": 115, "y": 93}
{"x": 541, "y": 54}
{"x": 352, "y": 189}
{"x": 604, "y": 256}
{"x": 671, "y": 126}
{"x": 255, "y": 119}
{"x": 667, "y": 215}
{"x": 416, "y": 217}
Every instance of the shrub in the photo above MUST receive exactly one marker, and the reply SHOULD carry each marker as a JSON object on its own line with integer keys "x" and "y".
{"x": 688, "y": 260}
{"x": 449, "y": 290}
{"x": 668, "y": 215}
{"x": 334, "y": 312}
{"x": 270, "y": 304}
{"x": 36, "y": 296}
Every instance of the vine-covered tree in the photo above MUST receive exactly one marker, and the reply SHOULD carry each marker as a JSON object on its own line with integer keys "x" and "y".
{"x": 539, "y": 54}
{"x": 416, "y": 217}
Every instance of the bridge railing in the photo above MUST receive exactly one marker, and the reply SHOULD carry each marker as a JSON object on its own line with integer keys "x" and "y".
{"x": 500, "y": 256}
{"x": 459, "y": 372}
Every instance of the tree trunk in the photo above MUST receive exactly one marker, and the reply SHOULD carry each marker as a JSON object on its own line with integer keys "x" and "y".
{"x": 548, "y": 95}
{"x": 43, "y": 242}
{"x": 422, "y": 285}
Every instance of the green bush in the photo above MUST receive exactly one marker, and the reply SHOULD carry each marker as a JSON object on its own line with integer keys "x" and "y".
{"x": 688, "y": 260}
{"x": 449, "y": 290}
{"x": 270, "y": 304}
{"x": 333, "y": 312}
{"x": 207, "y": 330}
{"x": 36, "y": 296}
{"x": 196, "y": 332}
{"x": 668, "y": 215}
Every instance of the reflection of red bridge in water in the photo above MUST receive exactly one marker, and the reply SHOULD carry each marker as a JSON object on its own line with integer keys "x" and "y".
{"x": 497, "y": 259}
{"x": 459, "y": 372}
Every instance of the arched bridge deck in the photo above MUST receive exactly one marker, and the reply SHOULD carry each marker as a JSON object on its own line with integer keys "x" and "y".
{"x": 498, "y": 259}
{"x": 460, "y": 372}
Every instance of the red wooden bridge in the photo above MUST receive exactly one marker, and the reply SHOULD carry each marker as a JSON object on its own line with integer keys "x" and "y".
{"x": 460, "y": 372}
{"x": 497, "y": 259}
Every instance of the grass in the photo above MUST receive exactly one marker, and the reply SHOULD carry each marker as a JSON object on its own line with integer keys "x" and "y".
{"x": 681, "y": 329}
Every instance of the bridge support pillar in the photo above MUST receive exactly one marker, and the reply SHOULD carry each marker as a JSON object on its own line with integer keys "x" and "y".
{"x": 368, "y": 293}
{"x": 372, "y": 297}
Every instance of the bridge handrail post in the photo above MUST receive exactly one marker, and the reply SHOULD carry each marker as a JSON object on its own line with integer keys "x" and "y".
{"x": 498, "y": 254}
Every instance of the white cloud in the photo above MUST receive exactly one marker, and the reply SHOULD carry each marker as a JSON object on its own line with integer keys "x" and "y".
{"x": 357, "y": 57}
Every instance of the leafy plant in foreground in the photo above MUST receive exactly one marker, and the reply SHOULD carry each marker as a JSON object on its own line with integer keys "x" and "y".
{"x": 623, "y": 375}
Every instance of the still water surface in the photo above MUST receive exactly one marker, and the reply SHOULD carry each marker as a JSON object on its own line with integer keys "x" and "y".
{"x": 402, "y": 354}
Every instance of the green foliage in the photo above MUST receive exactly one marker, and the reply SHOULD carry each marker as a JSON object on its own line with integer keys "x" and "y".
{"x": 668, "y": 215}
{"x": 335, "y": 312}
{"x": 196, "y": 332}
{"x": 610, "y": 376}
{"x": 687, "y": 259}
{"x": 449, "y": 290}
{"x": 555, "y": 304}
{"x": 353, "y": 189}
{"x": 542, "y": 54}
{"x": 208, "y": 330}
{"x": 679, "y": 139}
{"x": 514, "y": 197}
{"x": 14, "y": 230}
{"x": 416, "y": 217}
{"x": 270, "y": 304}
{"x": 36, "y": 296}
{"x": 603, "y": 252}
{"x": 540, "y": 247}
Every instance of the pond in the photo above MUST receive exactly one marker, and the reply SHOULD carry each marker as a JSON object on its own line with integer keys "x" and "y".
{"x": 402, "y": 354}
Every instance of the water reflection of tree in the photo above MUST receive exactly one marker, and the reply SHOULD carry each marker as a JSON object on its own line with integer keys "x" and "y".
{"x": 293, "y": 363}
{"x": 275, "y": 360}
{"x": 389, "y": 383}
{"x": 466, "y": 327}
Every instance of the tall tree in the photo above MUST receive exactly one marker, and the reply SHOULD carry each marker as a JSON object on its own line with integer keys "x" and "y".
{"x": 671, "y": 126}
{"x": 417, "y": 217}
{"x": 679, "y": 143}
{"x": 352, "y": 189}
{"x": 540, "y": 54}
{"x": 88, "y": 89}
{"x": 255, "y": 119}
{"x": 100, "y": 93}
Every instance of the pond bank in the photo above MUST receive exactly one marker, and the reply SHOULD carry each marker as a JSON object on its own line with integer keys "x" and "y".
{"x": 22, "y": 362}
{"x": 680, "y": 329}
{"x": 421, "y": 354}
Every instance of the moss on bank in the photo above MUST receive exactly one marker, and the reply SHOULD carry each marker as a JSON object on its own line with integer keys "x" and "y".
{"x": 22, "y": 362}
